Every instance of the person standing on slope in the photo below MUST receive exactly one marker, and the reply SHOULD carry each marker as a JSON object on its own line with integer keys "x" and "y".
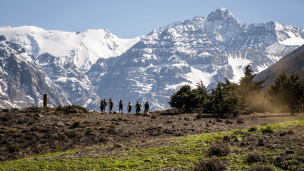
{"x": 105, "y": 105}
{"x": 138, "y": 107}
{"x": 120, "y": 106}
{"x": 129, "y": 107}
{"x": 101, "y": 105}
{"x": 111, "y": 105}
{"x": 147, "y": 107}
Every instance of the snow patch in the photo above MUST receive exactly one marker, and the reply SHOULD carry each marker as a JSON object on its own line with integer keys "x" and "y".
{"x": 197, "y": 75}
{"x": 293, "y": 40}
{"x": 238, "y": 65}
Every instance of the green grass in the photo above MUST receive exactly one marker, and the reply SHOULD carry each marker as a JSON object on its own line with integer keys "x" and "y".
{"x": 181, "y": 152}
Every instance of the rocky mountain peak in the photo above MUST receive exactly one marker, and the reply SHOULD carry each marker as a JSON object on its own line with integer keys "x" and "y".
{"x": 2, "y": 38}
{"x": 220, "y": 14}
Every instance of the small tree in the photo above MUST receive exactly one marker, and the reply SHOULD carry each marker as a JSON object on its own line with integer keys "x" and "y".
{"x": 187, "y": 98}
{"x": 224, "y": 98}
{"x": 202, "y": 95}
{"x": 286, "y": 92}
{"x": 251, "y": 90}
{"x": 182, "y": 98}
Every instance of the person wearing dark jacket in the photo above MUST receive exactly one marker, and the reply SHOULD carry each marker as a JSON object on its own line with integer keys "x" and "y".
{"x": 111, "y": 105}
{"x": 138, "y": 107}
{"x": 120, "y": 106}
{"x": 101, "y": 105}
{"x": 105, "y": 105}
{"x": 129, "y": 107}
{"x": 146, "y": 107}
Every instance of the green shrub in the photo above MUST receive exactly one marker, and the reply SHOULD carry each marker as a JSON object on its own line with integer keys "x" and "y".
{"x": 219, "y": 149}
{"x": 76, "y": 124}
{"x": 237, "y": 131}
{"x": 79, "y": 114}
{"x": 268, "y": 129}
{"x": 4, "y": 130}
{"x": 64, "y": 108}
{"x": 89, "y": 129}
{"x": 158, "y": 129}
{"x": 103, "y": 128}
{"x": 253, "y": 129}
{"x": 48, "y": 108}
{"x": 12, "y": 148}
{"x": 120, "y": 118}
{"x": 255, "y": 157}
{"x": 13, "y": 130}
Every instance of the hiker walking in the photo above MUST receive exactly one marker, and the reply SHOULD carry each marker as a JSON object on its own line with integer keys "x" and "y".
{"x": 111, "y": 105}
{"x": 146, "y": 107}
{"x": 120, "y": 106}
{"x": 101, "y": 105}
{"x": 105, "y": 105}
{"x": 138, "y": 107}
{"x": 129, "y": 107}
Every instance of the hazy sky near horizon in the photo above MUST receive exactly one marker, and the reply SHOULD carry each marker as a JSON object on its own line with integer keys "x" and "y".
{"x": 131, "y": 18}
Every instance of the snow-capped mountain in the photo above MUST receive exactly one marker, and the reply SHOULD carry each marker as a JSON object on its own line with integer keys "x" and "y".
{"x": 203, "y": 48}
{"x": 81, "y": 48}
{"x": 22, "y": 83}
{"x": 66, "y": 75}
{"x": 151, "y": 68}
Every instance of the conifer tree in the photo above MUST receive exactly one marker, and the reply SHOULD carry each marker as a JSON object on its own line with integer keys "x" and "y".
{"x": 224, "y": 98}
{"x": 251, "y": 90}
{"x": 286, "y": 92}
{"x": 187, "y": 98}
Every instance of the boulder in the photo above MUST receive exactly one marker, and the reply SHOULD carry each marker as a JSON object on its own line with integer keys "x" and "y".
{"x": 240, "y": 121}
{"x": 199, "y": 116}
{"x": 229, "y": 122}
{"x": 261, "y": 142}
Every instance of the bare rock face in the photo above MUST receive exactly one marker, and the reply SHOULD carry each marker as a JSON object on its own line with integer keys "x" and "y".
{"x": 22, "y": 83}
{"x": 2, "y": 38}
{"x": 66, "y": 75}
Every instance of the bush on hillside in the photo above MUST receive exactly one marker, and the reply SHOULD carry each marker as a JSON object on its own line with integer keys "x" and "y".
{"x": 63, "y": 109}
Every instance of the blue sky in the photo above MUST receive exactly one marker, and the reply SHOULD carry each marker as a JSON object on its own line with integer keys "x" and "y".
{"x": 131, "y": 18}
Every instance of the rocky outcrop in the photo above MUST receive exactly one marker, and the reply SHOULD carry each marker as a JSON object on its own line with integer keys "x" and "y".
{"x": 22, "y": 83}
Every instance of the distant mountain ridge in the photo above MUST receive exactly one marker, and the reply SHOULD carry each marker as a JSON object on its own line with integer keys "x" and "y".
{"x": 291, "y": 63}
{"x": 152, "y": 67}
{"x": 81, "y": 48}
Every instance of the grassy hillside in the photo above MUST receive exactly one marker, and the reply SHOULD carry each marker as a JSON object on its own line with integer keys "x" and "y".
{"x": 182, "y": 152}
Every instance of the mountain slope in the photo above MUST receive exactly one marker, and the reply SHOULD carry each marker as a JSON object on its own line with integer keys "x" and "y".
{"x": 291, "y": 63}
{"x": 65, "y": 74}
{"x": 82, "y": 48}
{"x": 203, "y": 48}
{"x": 22, "y": 83}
